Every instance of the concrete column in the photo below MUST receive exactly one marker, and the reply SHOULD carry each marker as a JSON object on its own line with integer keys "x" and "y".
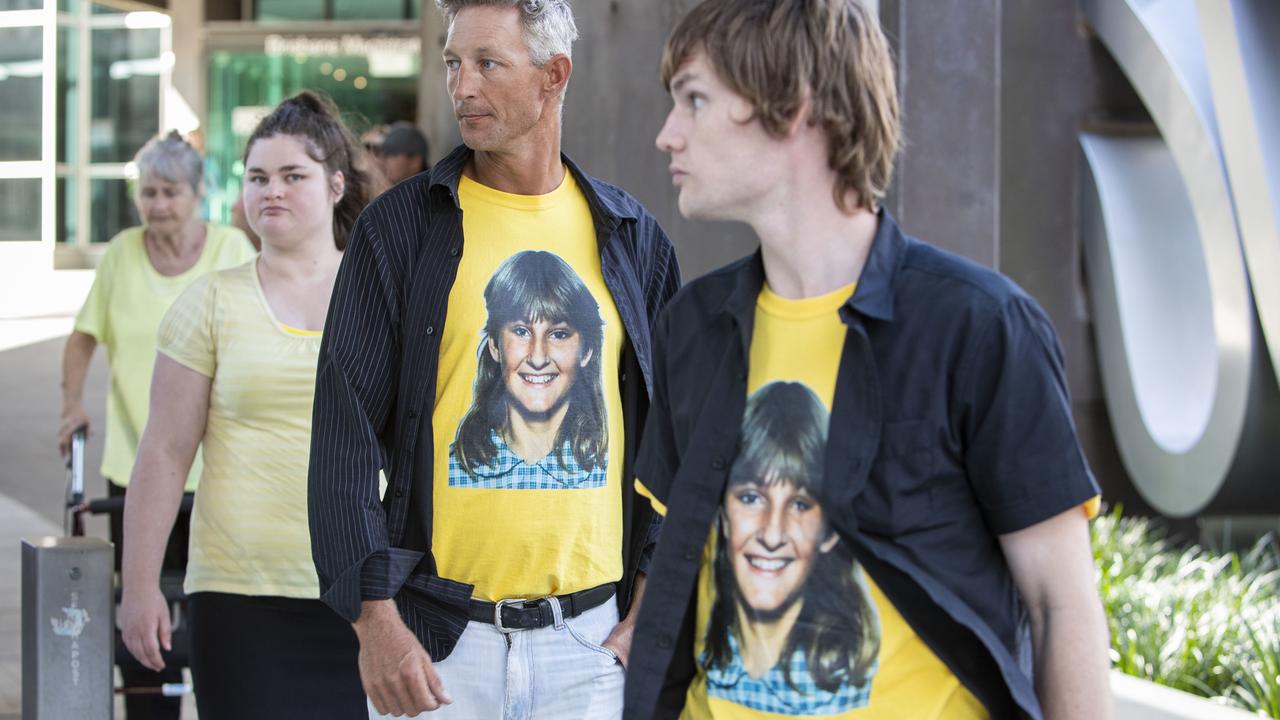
{"x": 190, "y": 67}
{"x": 949, "y": 56}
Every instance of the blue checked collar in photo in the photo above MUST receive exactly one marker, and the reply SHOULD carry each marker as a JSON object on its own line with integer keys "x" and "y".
{"x": 773, "y": 694}
{"x": 557, "y": 470}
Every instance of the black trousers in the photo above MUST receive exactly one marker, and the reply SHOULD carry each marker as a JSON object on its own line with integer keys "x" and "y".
{"x": 273, "y": 657}
{"x": 151, "y": 707}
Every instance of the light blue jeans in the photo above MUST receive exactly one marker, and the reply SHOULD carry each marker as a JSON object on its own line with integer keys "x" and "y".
{"x": 559, "y": 672}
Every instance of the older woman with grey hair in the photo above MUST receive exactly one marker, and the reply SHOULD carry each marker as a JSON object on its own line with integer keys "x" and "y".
{"x": 142, "y": 272}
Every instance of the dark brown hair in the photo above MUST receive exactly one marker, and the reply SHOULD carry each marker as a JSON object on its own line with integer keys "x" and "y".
{"x": 778, "y": 53}
{"x": 313, "y": 117}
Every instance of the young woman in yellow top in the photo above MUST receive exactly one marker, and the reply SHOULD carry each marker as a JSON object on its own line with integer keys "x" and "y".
{"x": 236, "y": 369}
{"x": 142, "y": 272}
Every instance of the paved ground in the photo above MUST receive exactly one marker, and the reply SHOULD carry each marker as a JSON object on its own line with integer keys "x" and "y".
{"x": 32, "y": 478}
{"x": 30, "y": 470}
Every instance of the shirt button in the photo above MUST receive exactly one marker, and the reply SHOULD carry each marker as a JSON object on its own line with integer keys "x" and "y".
{"x": 399, "y": 492}
{"x": 742, "y": 376}
{"x": 717, "y": 463}
{"x": 453, "y": 252}
{"x": 664, "y": 641}
{"x": 413, "y": 414}
{"x": 431, "y": 330}
{"x": 690, "y": 554}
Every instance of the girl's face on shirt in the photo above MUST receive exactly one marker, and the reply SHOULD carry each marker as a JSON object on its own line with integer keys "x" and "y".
{"x": 540, "y": 360}
{"x": 775, "y": 531}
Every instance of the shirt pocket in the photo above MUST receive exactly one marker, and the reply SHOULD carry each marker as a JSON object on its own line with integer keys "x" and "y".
{"x": 899, "y": 498}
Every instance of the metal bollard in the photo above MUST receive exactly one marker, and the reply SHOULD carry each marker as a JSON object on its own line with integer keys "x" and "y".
{"x": 68, "y": 629}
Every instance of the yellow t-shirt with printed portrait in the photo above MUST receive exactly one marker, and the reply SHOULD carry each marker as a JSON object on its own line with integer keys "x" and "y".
{"x": 527, "y": 416}
{"x": 790, "y": 624}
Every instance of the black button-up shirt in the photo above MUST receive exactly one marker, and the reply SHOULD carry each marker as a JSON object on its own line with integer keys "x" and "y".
{"x": 950, "y": 426}
{"x": 376, "y": 382}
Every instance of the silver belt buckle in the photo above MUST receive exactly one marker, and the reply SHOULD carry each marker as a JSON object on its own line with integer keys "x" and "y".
{"x": 497, "y": 614}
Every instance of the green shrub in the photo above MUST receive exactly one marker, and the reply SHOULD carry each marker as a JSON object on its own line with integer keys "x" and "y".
{"x": 1189, "y": 618}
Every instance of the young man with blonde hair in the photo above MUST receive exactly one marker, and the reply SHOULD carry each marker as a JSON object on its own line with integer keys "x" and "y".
{"x": 488, "y": 348}
{"x": 949, "y": 483}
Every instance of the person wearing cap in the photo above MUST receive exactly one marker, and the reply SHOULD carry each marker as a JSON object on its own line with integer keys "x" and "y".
{"x": 403, "y": 153}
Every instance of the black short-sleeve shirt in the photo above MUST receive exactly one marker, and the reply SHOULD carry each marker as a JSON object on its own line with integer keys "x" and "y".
{"x": 951, "y": 425}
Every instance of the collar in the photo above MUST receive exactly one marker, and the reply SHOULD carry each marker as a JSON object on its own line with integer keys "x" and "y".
{"x": 872, "y": 298}
{"x": 770, "y": 692}
{"x": 736, "y": 672}
{"x": 607, "y": 203}
{"x": 507, "y": 461}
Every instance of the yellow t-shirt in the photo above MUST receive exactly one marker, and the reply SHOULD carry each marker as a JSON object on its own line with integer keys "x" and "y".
{"x": 805, "y": 632}
{"x": 249, "y": 532}
{"x": 527, "y": 416}
{"x": 122, "y": 312}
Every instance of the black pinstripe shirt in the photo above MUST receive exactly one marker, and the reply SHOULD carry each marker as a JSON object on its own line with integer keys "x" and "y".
{"x": 375, "y": 389}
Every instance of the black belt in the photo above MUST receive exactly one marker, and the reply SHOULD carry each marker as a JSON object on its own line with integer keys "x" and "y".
{"x": 530, "y": 614}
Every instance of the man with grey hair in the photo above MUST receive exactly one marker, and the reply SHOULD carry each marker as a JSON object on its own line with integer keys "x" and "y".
{"x": 488, "y": 349}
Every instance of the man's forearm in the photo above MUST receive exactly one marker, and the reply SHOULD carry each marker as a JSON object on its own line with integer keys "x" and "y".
{"x": 373, "y": 612}
{"x": 1072, "y": 668}
{"x": 637, "y": 594}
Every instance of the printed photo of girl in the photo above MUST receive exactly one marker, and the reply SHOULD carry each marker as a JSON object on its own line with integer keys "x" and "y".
{"x": 792, "y": 628}
{"x": 537, "y": 419}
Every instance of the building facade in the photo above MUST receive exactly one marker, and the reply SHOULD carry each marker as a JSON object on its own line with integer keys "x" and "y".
{"x": 1005, "y": 105}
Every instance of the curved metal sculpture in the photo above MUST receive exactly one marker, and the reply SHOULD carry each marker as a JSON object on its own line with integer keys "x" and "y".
{"x": 1242, "y": 44}
{"x": 1185, "y": 379}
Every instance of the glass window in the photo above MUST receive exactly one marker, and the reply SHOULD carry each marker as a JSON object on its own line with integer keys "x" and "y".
{"x": 21, "y": 68}
{"x": 276, "y": 10}
{"x": 111, "y": 208}
{"x": 126, "y": 92}
{"x": 268, "y": 10}
{"x": 107, "y": 10}
{"x": 371, "y": 9}
{"x": 21, "y": 5}
{"x": 68, "y": 93}
{"x": 66, "y": 209}
{"x": 20, "y": 209}
{"x": 371, "y": 90}
{"x": 69, "y": 6}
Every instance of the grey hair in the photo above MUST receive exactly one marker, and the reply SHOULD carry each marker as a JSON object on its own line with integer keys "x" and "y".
{"x": 549, "y": 29}
{"x": 171, "y": 158}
